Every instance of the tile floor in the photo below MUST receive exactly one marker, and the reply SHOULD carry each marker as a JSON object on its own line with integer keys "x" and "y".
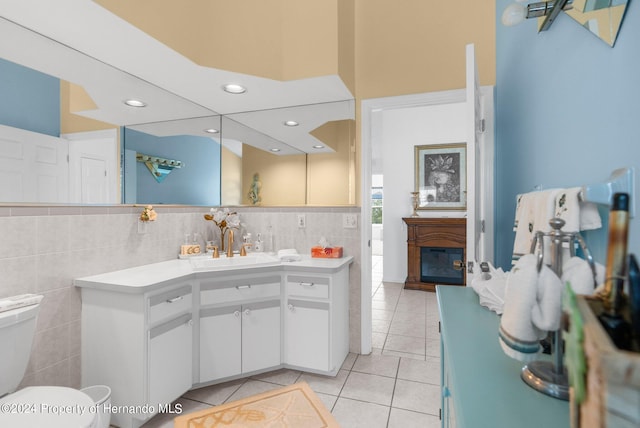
{"x": 397, "y": 386}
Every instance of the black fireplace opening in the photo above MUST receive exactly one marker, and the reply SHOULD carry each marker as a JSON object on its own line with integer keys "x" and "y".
{"x": 437, "y": 265}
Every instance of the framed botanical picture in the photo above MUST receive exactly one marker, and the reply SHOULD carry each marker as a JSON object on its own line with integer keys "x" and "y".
{"x": 441, "y": 176}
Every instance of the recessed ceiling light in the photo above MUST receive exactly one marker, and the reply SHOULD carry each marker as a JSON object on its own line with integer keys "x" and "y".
{"x": 211, "y": 131}
{"x": 291, "y": 123}
{"x": 275, "y": 150}
{"x": 234, "y": 88}
{"x": 135, "y": 103}
{"x": 318, "y": 146}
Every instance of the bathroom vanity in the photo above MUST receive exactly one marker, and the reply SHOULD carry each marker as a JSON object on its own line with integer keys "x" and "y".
{"x": 481, "y": 385}
{"x": 153, "y": 332}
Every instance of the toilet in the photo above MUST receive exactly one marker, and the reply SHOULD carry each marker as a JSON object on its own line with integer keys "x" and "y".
{"x": 36, "y": 406}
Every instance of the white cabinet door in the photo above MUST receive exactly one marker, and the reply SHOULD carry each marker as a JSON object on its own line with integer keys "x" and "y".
{"x": 170, "y": 360}
{"x": 307, "y": 334}
{"x": 261, "y": 336}
{"x": 220, "y": 343}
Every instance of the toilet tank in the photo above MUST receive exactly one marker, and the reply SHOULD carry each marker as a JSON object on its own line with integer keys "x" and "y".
{"x": 17, "y": 328}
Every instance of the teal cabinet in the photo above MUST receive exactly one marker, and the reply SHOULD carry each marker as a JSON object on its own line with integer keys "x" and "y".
{"x": 481, "y": 386}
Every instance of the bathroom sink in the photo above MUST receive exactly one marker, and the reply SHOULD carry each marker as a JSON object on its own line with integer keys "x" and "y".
{"x": 208, "y": 263}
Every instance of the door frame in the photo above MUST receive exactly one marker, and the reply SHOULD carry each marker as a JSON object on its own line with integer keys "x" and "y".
{"x": 369, "y": 132}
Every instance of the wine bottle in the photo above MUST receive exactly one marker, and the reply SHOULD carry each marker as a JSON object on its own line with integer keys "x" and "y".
{"x": 634, "y": 297}
{"x": 612, "y": 296}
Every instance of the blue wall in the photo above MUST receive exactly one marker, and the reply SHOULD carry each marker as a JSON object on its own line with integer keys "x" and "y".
{"x": 196, "y": 183}
{"x": 30, "y": 99}
{"x": 566, "y": 114}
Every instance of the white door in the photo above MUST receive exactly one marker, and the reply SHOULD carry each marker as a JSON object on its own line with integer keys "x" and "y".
{"x": 93, "y": 167}
{"x": 33, "y": 167}
{"x": 479, "y": 168}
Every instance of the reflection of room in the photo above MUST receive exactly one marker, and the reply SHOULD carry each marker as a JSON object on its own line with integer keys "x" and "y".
{"x": 542, "y": 124}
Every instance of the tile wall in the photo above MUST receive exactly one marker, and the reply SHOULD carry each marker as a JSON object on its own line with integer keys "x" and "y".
{"x": 44, "y": 248}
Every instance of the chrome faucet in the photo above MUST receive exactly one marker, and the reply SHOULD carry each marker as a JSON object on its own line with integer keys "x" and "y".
{"x": 230, "y": 243}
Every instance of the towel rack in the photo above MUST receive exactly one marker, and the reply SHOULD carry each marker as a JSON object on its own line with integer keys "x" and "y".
{"x": 621, "y": 180}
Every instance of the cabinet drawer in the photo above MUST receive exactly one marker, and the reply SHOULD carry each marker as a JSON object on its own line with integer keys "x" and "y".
{"x": 239, "y": 290}
{"x": 308, "y": 286}
{"x": 169, "y": 303}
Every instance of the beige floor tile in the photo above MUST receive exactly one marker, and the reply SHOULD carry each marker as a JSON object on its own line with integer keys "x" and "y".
{"x": 433, "y": 347}
{"x": 405, "y": 327}
{"x": 378, "y": 339}
{"x": 349, "y": 361}
{"x": 416, "y": 396}
{"x": 427, "y": 371}
{"x": 369, "y": 388}
{"x": 357, "y": 414}
{"x": 411, "y": 345}
{"x": 403, "y": 355}
{"x": 215, "y": 394}
{"x": 326, "y": 384}
{"x": 380, "y": 314}
{"x": 380, "y": 326}
{"x": 281, "y": 377}
{"x": 377, "y": 364}
{"x": 252, "y": 387}
{"x": 400, "y": 418}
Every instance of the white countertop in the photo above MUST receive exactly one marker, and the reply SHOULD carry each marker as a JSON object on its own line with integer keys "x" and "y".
{"x": 140, "y": 279}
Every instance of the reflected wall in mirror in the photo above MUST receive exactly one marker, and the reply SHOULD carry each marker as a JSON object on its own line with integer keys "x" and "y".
{"x": 57, "y": 99}
{"x": 196, "y": 182}
{"x": 311, "y": 163}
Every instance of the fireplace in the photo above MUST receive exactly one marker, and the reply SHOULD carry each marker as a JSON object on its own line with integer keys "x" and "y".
{"x": 436, "y": 252}
{"x": 440, "y": 265}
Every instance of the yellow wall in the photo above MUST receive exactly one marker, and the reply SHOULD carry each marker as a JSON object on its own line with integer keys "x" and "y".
{"x": 330, "y": 177}
{"x": 283, "y": 177}
{"x": 263, "y": 38}
{"x": 379, "y": 48}
{"x": 75, "y": 98}
{"x": 231, "y": 177}
{"x": 415, "y": 46}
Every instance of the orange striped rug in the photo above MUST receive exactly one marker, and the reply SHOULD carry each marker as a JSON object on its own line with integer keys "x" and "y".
{"x": 294, "y": 406}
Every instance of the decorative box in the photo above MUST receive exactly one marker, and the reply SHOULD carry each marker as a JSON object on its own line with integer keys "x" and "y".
{"x": 189, "y": 249}
{"x": 612, "y": 379}
{"x": 326, "y": 252}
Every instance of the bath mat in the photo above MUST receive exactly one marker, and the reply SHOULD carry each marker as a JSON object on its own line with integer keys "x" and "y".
{"x": 294, "y": 406}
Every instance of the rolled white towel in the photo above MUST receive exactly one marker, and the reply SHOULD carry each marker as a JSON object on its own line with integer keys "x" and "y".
{"x": 578, "y": 274}
{"x": 531, "y": 307}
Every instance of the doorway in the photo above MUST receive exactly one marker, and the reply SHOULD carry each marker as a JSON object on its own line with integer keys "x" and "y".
{"x": 418, "y": 119}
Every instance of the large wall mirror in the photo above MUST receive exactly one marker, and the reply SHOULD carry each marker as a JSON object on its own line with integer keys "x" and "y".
{"x": 174, "y": 150}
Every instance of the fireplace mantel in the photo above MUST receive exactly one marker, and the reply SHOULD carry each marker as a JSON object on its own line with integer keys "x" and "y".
{"x": 431, "y": 232}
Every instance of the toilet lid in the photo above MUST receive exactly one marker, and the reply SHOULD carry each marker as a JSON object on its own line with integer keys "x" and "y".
{"x": 47, "y": 406}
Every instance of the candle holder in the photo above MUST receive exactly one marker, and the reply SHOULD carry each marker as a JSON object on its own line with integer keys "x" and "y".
{"x": 415, "y": 198}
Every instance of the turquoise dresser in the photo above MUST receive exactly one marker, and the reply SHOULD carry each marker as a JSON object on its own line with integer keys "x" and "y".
{"x": 481, "y": 386}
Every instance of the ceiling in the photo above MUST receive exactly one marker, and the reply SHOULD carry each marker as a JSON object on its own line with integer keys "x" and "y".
{"x": 83, "y": 43}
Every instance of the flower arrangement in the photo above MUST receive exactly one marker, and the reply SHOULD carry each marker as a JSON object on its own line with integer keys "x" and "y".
{"x": 148, "y": 214}
{"x": 225, "y": 220}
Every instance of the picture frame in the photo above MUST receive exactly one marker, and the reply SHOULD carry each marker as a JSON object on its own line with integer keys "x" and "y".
{"x": 441, "y": 176}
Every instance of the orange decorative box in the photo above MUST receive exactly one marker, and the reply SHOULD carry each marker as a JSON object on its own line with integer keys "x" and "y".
{"x": 326, "y": 252}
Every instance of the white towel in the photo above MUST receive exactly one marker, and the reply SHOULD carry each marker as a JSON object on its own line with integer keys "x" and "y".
{"x": 578, "y": 274}
{"x": 531, "y": 308}
{"x": 533, "y": 212}
{"x": 589, "y": 216}
{"x": 578, "y": 215}
{"x": 490, "y": 289}
{"x": 289, "y": 255}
